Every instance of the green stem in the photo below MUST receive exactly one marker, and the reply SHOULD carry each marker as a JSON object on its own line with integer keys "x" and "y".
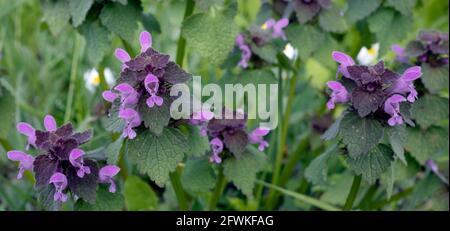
{"x": 353, "y": 193}
{"x": 73, "y": 75}
{"x": 303, "y": 198}
{"x": 284, "y": 129}
{"x": 175, "y": 179}
{"x": 367, "y": 200}
{"x": 128, "y": 48}
{"x": 218, "y": 189}
{"x": 293, "y": 160}
{"x": 393, "y": 199}
{"x": 181, "y": 48}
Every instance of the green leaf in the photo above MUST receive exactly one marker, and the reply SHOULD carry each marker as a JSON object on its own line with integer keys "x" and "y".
{"x": 268, "y": 52}
{"x": 45, "y": 197}
{"x": 206, "y": 4}
{"x": 372, "y": 164}
{"x": 397, "y": 138}
{"x": 424, "y": 144}
{"x": 121, "y": 19}
{"x": 242, "y": 171}
{"x": 331, "y": 20}
{"x": 112, "y": 122}
{"x": 405, "y": 7}
{"x": 333, "y": 130}
{"x": 305, "y": 38}
{"x": 435, "y": 79}
{"x": 113, "y": 151}
{"x": 56, "y": 14}
{"x": 98, "y": 41}
{"x": 430, "y": 110}
{"x": 212, "y": 35}
{"x": 198, "y": 144}
{"x": 360, "y": 9}
{"x": 139, "y": 196}
{"x": 389, "y": 178}
{"x": 150, "y": 23}
{"x": 317, "y": 170}
{"x": 78, "y": 10}
{"x": 157, "y": 117}
{"x": 6, "y": 113}
{"x": 323, "y": 52}
{"x": 360, "y": 134}
{"x": 198, "y": 176}
{"x": 389, "y": 27}
{"x": 157, "y": 155}
{"x": 105, "y": 201}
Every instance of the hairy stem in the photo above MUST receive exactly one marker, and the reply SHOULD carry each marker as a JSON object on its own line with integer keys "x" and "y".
{"x": 175, "y": 179}
{"x": 353, "y": 193}
{"x": 181, "y": 48}
{"x": 218, "y": 189}
{"x": 73, "y": 75}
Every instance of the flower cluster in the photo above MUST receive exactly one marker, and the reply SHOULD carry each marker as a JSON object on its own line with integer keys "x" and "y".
{"x": 144, "y": 84}
{"x": 228, "y": 135}
{"x": 430, "y": 47}
{"x": 373, "y": 89}
{"x": 259, "y": 37}
{"x": 61, "y": 162}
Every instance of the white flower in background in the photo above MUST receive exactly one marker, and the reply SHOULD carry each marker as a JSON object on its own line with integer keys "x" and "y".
{"x": 290, "y": 52}
{"x": 368, "y": 56}
{"x": 92, "y": 78}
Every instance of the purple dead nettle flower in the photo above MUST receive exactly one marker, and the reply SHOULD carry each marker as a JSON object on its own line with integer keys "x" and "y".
{"x": 339, "y": 94}
{"x": 25, "y": 161}
{"x": 61, "y": 162}
{"x": 431, "y": 47}
{"x": 106, "y": 174}
{"x": 245, "y": 49}
{"x": 59, "y": 180}
{"x": 259, "y": 36}
{"x": 217, "y": 148}
{"x": 230, "y": 135}
{"x": 201, "y": 119}
{"x": 370, "y": 89}
{"x": 276, "y": 27}
{"x": 307, "y": 9}
{"x": 144, "y": 84}
{"x": 256, "y": 137}
{"x": 400, "y": 53}
{"x": 392, "y": 107}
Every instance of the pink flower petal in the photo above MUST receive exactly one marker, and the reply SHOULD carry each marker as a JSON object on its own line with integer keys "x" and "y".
{"x": 412, "y": 73}
{"x": 50, "y": 123}
{"x": 122, "y": 55}
{"x": 145, "y": 38}
{"x": 109, "y": 96}
{"x": 25, "y": 129}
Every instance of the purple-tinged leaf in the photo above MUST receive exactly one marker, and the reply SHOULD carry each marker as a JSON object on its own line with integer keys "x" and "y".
{"x": 236, "y": 142}
{"x": 82, "y": 137}
{"x": 367, "y": 102}
{"x": 86, "y": 187}
{"x": 174, "y": 74}
{"x": 44, "y": 168}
